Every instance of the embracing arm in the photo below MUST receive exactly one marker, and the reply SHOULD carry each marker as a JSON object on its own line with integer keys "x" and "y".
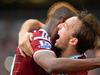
{"x": 31, "y": 24}
{"x": 48, "y": 61}
{"x": 25, "y": 36}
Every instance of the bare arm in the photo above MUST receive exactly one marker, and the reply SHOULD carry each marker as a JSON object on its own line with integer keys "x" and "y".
{"x": 25, "y": 36}
{"x": 48, "y": 61}
{"x": 31, "y": 24}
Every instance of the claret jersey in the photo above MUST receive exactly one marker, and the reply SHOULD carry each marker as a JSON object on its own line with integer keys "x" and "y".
{"x": 41, "y": 40}
{"x": 26, "y": 65}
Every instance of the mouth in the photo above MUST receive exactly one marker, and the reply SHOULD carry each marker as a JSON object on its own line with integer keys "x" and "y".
{"x": 58, "y": 35}
{"x": 54, "y": 38}
{"x": 57, "y": 40}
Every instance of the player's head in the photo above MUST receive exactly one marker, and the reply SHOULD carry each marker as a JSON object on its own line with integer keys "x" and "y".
{"x": 87, "y": 35}
{"x": 61, "y": 9}
{"x": 78, "y": 33}
{"x": 58, "y": 13}
{"x": 66, "y": 31}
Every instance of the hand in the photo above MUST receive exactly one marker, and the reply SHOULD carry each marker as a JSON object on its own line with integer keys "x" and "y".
{"x": 24, "y": 44}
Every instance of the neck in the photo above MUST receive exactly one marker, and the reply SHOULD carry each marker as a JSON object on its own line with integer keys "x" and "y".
{"x": 46, "y": 28}
{"x": 51, "y": 24}
{"x": 69, "y": 52}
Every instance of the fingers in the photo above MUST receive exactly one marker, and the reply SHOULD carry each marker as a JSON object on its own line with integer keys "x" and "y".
{"x": 31, "y": 36}
{"x": 25, "y": 45}
{"x": 29, "y": 48}
{"x": 22, "y": 53}
{"x": 25, "y": 50}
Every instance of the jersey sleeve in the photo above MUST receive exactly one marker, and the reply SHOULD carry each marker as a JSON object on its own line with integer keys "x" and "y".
{"x": 41, "y": 40}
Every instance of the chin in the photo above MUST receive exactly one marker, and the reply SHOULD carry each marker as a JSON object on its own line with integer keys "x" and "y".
{"x": 57, "y": 45}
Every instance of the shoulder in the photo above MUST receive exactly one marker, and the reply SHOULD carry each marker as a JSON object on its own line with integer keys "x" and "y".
{"x": 41, "y": 40}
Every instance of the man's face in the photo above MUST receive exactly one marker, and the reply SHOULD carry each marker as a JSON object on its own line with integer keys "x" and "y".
{"x": 66, "y": 30}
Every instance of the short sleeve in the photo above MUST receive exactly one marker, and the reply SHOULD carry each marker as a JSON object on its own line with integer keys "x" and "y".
{"x": 41, "y": 40}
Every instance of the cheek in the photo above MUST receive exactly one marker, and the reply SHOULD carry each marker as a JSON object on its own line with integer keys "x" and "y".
{"x": 63, "y": 40}
{"x": 62, "y": 43}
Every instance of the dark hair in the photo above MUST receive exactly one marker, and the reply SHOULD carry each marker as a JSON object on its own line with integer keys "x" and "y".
{"x": 86, "y": 35}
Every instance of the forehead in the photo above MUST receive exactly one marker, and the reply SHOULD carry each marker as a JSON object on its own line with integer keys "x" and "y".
{"x": 74, "y": 18}
{"x": 73, "y": 21}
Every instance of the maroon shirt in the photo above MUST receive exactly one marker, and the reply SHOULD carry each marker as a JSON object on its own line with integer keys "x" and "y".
{"x": 26, "y": 65}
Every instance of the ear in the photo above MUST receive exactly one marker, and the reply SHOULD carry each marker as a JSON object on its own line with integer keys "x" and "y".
{"x": 73, "y": 41}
